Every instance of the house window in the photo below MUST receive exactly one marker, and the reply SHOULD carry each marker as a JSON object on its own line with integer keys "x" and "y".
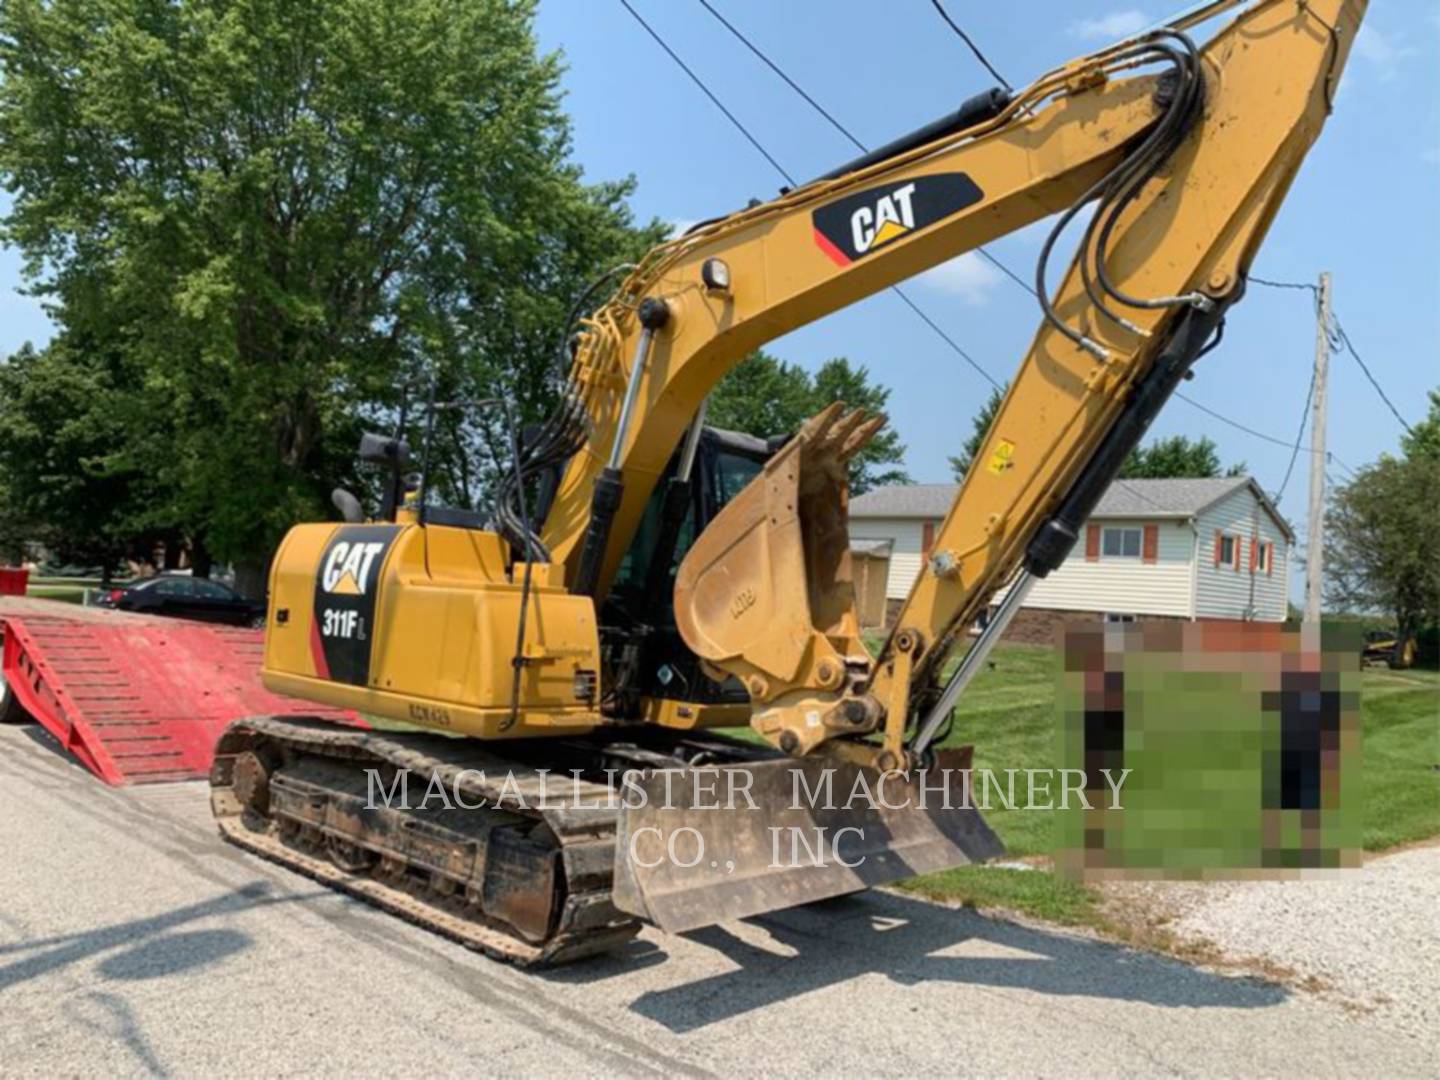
{"x": 1265, "y": 557}
{"x": 1118, "y": 617}
{"x": 1120, "y": 543}
{"x": 1229, "y": 550}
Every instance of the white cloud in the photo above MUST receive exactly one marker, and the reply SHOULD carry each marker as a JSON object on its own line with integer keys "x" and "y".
{"x": 1111, "y": 27}
{"x": 967, "y": 276}
{"x": 1381, "y": 50}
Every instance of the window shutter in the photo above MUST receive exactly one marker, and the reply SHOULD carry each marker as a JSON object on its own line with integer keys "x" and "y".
{"x": 1254, "y": 554}
{"x": 927, "y": 538}
{"x": 1270, "y": 560}
{"x": 1092, "y": 543}
{"x": 1219, "y": 537}
{"x": 1150, "y": 548}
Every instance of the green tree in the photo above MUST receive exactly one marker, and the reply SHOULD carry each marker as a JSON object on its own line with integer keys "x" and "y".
{"x": 980, "y": 427}
{"x": 283, "y": 210}
{"x": 878, "y": 462}
{"x": 1423, "y": 440}
{"x": 1177, "y": 457}
{"x": 763, "y": 396}
{"x": 63, "y": 435}
{"x": 766, "y": 396}
{"x": 1382, "y": 542}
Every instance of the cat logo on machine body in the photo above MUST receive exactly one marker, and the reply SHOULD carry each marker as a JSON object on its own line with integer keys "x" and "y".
{"x": 868, "y": 220}
{"x": 346, "y": 584}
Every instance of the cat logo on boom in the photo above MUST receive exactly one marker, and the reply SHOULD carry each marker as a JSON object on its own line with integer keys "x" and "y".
{"x": 867, "y": 221}
{"x": 892, "y": 217}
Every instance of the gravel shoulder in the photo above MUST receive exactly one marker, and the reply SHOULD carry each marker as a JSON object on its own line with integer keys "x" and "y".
{"x": 1367, "y": 940}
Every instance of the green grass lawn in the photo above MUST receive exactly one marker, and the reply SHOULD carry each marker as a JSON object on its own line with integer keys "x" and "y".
{"x": 1008, "y": 714}
{"x": 68, "y": 594}
{"x": 67, "y": 590}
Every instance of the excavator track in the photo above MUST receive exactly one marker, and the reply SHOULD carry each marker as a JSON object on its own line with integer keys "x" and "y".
{"x": 511, "y": 860}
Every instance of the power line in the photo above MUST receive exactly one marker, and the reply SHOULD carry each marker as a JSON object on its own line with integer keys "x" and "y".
{"x": 946, "y": 337}
{"x": 837, "y": 125}
{"x": 904, "y": 297}
{"x": 1295, "y": 452}
{"x": 1258, "y": 434}
{"x": 788, "y": 81}
{"x": 1008, "y": 272}
{"x": 1336, "y": 461}
{"x": 1339, "y": 338}
{"x": 1345, "y": 340}
{"x": 1282, "y": 284}
{"x": 973, "y": 47}
{"x": 706, "y": 91}
{"x": 1011, "y": 274}
{"x": 781, "y": 169}
{"x": 1235, "y": 423}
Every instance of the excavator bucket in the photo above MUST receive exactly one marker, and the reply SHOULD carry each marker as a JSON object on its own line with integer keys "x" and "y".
{"x": 697, "y": 846}
{"x": 766, "y": 592}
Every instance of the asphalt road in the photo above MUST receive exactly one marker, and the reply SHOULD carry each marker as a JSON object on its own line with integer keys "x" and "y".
{"x": 132, "y": 941}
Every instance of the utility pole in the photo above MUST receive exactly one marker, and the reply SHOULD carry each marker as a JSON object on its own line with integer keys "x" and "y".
{"x": 1315, "y": 529}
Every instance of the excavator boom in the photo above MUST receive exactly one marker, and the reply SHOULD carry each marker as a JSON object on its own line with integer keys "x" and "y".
{"x": 1181, "y": 174}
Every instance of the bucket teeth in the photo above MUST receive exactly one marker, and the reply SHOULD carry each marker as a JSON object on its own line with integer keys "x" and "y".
{"x": 840, "y": 435}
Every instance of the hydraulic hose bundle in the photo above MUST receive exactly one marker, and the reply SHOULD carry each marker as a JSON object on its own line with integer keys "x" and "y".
{"x": 1181, "y": 94}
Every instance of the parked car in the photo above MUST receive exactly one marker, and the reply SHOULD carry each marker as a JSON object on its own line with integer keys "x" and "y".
{"x": 187, "y": 598}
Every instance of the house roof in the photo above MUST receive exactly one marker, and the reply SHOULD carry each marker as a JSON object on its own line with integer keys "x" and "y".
{"x": 905, "y": 501}
{"x": 1182, "y": 499}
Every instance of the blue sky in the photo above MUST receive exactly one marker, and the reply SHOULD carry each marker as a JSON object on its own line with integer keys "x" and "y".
{"x": 1364, "y": 207}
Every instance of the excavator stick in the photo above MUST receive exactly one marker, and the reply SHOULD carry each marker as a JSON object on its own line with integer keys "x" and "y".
{"x": 696, "y": 846}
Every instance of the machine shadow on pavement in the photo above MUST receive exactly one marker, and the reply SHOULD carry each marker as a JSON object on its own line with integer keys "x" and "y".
{"x": 148, "y": 948}
{"x": 913, "y": 941}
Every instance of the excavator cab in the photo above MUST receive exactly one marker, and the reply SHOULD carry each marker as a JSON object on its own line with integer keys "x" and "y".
{"x": 646, "y": 658}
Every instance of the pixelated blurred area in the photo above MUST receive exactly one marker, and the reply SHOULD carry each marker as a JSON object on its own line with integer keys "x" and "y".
{"x": 1238, "y": 744}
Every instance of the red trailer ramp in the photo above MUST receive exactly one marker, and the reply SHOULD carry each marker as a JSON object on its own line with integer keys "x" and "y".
{"x": 137, "y": 699}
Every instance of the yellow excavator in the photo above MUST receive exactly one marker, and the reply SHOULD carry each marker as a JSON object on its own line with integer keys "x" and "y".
{"x": 644, "y": 580}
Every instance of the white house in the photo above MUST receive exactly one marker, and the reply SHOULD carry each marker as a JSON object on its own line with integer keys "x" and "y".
{"x": 1180, "y": 549}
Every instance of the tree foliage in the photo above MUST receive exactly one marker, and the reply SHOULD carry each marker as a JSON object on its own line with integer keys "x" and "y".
{"x": 1382, "y": 542}
{"x": 766, "y": 396}
{"x": 1423, "y": 440}
{"x": 58, "y": 428}
{"x": 1173, "y": 457}
{"x": 979, "y": 428}
{"x": 280, "y": 212}
{"x": 763, "y": 396}
{"x": 1177, "y": 457}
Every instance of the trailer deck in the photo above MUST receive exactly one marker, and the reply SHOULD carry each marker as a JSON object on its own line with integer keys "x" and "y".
{"x": 138, "y": 699}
